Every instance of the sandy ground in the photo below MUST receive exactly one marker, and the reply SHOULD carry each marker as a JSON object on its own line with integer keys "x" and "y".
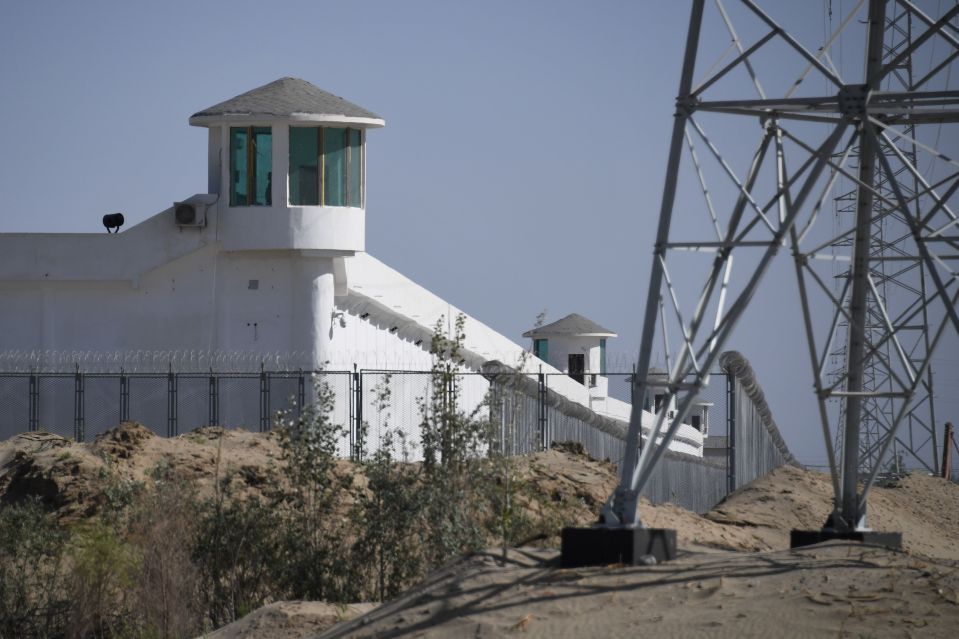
{"x": 758, "y": 588}
{"x": 832, "y": 590}
{"x": 290, "y": 620}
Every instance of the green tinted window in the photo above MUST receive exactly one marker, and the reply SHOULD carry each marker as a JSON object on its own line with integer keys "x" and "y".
{"x": 356, "y": 166}
{"x": 304, "y": 166}
{"x": 326, "y": 166}
{"x": 541, "y": 349}
{"x": 334, "y": 167}
{"x": 602, "y": 356}
{"x": 239, "y": 181}
{"x": 251, "y": 166}
{"x": 262, "y": 166}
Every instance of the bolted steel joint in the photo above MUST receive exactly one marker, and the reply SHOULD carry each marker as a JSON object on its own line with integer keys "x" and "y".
{"x": 853, "y": 100}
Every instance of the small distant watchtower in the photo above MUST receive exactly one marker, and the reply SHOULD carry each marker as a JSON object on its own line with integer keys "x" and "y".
{"x": 575, "y": 345}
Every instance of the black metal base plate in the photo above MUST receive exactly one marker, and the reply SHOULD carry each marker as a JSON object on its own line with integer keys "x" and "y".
{"x": 891, "y": 540}
{"x": 604, "y": 546}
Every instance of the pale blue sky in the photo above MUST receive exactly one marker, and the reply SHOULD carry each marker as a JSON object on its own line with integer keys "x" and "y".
{"x": 521, "y": 167}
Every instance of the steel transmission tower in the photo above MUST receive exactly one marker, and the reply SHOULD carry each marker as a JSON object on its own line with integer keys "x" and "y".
{"x": 899, "y": 285}
{"x": 877, "y": 131}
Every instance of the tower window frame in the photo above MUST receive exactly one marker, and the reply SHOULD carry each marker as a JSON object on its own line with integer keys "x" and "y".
{"x": 541, "y": 348}
{"x": 322, "y": 183}
{"x": 254, "y": 160}
{"x": 602, "y": 356}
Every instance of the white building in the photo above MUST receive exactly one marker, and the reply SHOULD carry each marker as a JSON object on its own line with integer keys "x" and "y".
{"x": 270, "y": 260}
{"x": 577, "y": 346}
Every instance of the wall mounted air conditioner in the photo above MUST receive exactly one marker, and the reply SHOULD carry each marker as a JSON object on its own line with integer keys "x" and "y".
{"x": 189, "y": 214}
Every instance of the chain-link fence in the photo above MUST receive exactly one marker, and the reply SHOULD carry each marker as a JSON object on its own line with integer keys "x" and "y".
{"x": 755, "y": 445}
{"x": 525, "y": 415}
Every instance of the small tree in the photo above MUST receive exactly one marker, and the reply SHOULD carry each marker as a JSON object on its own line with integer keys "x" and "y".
{"x": 32, "y": 574}
{"x": 454, "y": 444}
{"x": 237, "y": 552}
{"x": 508, "y": 522}
{"x": 389, "y": 511}
{"x": 316, "y": 534}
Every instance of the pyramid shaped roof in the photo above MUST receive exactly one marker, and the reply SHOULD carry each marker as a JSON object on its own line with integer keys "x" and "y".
{"x": 287, "y": 99}
{"x": 573, "y": 324}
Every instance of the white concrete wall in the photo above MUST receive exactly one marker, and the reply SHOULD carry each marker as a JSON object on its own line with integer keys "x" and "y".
{"x": 200, "y": 301}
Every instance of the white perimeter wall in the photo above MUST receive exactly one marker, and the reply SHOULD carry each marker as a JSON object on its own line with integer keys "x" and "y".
{"x": 201, "y": 301}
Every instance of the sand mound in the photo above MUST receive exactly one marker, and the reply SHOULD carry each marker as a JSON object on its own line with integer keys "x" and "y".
{"x": 71, "y": 478}
{"x": 833, "y": 590}
{"x": 290, "y": 620}
{"x": 925, "y": 509}
{"x": 124, "y": 441}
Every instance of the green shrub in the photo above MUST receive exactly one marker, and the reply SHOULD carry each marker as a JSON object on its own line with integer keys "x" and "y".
{"x": 388, "y": 513}
{"x": 237, "y": 554}
{"x": 104, "y": 571}
{"x": 316, "y": 528}
{"x": 32, "y": 573}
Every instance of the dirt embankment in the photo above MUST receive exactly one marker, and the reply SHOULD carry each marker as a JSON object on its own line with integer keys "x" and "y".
{"x": 75, "y": 479}
{"x": 725, "y": 594}
{"x": 562, "y": 485}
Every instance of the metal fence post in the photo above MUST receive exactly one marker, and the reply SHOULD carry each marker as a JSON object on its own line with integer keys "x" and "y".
{"x": 357, "y": 423}
{"x": 450, "y": 399}
{"x": 78, "y": 434}
{"x": 495, "y": 414}
{"x": 33, "y": 418}
{"x": 124, "y": 397}
{"x": 947, "y": 444}
{"x": 300, "y": 394}
{"x": 171, "y": 403}
{"x": 264, "y": 400}
{"x": 730, "y": 433}
{"x": 214, "y": 416}
{"x": 541, "y": 397}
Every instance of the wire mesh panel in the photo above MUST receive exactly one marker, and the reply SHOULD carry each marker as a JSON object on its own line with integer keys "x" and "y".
{"x": 284, "y": 393}
{"x": 713, "y": 399}
{"x": 690, "y": 482}
{"x": 148, "y": 401}
{"x": 409, "y": 399}
{"x": 57, "y": 395}
{"x": 472, "y": 395}
{"x": 14, "y": 405}
{"x": 518, "y": 420}
{"x": 597, "y": 443}
{"x": 756, "y": 446}
{"x": 337, "y": 383}
{"x": 756, "y": 451}
{"x": 192, "y": 402}
{"x": 101, "y": 404}
{"x": 239, "y": 401}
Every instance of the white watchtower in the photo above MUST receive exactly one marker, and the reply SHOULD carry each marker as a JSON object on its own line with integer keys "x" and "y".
{"x": 577, "y": 346}
{"x": 287, "y": 162}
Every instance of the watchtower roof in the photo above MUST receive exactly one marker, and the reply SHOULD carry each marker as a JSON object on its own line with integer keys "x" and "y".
{"x": 287, "y": 99}
{"x": 573, "y": 324}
